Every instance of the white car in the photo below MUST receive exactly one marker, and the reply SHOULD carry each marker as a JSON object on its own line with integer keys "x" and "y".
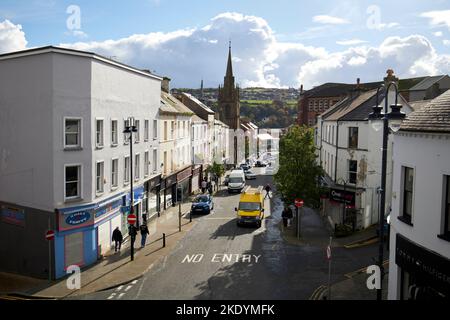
{"x": 249, "y": 175}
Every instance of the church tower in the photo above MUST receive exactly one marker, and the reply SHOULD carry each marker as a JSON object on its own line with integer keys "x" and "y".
{"x": 229, "y": 107}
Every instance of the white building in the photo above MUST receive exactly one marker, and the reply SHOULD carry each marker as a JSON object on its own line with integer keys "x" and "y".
{"x": 65, "y": 163}
{"x": 349, "y": 153}
{"x": 419, "y": 265}
{"x": 221, "y": 143}
{"x": 200, "y": 141}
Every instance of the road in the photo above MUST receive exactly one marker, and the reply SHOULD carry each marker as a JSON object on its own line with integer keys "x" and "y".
{"x": 218, "y": 260}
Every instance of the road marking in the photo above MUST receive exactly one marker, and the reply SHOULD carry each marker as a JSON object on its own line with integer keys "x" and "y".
{"x": 111, "y": 296}
{"x": 121, "y": 295}
{"x": 134, "y": 282}
{"x": 119, "y": 288}
{"x": 128, "y": 288}
{"x": 219, "y": 218}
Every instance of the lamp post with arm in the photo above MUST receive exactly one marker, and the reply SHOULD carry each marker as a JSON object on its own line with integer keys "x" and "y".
{"x": 385, "y": 121}
{"x": 129, "y": 129}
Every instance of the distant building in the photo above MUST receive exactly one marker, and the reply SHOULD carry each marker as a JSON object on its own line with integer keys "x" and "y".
{"x": 419, "y": 267}
{"x": 429, "y": 88}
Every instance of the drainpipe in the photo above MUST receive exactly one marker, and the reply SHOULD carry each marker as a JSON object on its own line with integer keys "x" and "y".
{"x": 337, "y": 150}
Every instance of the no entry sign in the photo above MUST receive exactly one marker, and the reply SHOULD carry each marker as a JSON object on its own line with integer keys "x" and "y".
{"x": 50, "y": 235}
{"x": 299, "y": 203}
{"x": 131, "y": 219}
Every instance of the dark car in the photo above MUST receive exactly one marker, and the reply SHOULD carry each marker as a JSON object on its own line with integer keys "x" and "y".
{"x": 245, "y": 167}
{"x": 202, "y": 204}
{"x": 260, "y": 164}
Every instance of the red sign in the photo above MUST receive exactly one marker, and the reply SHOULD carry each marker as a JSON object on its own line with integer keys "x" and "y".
{"x": 131, "y": 219}
{"x": 50, "y": 235}
{"x": 299, "y": 203}
{"x": 329, "y": 253}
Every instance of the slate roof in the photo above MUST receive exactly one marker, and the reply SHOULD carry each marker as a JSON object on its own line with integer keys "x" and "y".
{"x": 198, "y": 102}
{"x": 417, "y": 105}
{"x": 426, "y": 83}
{"x": 433, "y": 117}
{"x": 172, "y": 105}
{"x": 354, "y": 108}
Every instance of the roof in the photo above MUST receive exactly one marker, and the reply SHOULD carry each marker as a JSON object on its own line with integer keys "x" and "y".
{"x": 170, "y": 104}
{"x": 349, "y": 109}
{"x": 417, "y": 105}
{"x": 433, "y": 117}
{"x": 198, "y": 102}
{"x": 427, "y": 83}
{"x": 196, "y": 118}
{"x": 86, "y": 54}
{"x": 216, "y": 121}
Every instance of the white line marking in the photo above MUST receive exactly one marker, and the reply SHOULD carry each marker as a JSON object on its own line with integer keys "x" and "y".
{"x": 134, "y": 282}
{"x": 128, "y": 288}
{"x": 111, "y": 296}
{"x": 121, "y": 295}
{"x": 119, "y": 288}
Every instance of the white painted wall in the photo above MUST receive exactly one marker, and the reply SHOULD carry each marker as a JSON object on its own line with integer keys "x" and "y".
{"x": 429, "y": 155}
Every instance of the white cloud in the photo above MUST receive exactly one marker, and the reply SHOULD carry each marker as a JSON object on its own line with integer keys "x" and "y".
{"x": 446, "y": 42}
{"x": 438, "y": 34}
{"x": 12, "y": 38}
{"x": 383, "y": 26}
{"x": 438, "y": 17}
{"x": 325, "y": 19}
{"x": 351, "y": 42}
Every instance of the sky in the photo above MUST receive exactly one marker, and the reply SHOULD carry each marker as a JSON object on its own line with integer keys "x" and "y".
{"x": 282, "y": 43}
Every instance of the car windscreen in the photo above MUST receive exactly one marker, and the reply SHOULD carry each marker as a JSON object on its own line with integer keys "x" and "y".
{"x": 235, "y": 180}
{"x": 249, "y": 206}
{"x": 201, "y": 199}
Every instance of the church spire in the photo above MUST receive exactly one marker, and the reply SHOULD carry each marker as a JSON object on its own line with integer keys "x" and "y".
{"x": 230, "y": 64}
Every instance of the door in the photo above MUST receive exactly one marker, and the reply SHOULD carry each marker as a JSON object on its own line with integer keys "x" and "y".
{"x": 73, "y": 250}
{"x": 104, "y": 238}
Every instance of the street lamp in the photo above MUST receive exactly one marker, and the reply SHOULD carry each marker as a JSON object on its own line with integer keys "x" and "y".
{"x": 129, "y": 129}
{"x": 389, "y": 120}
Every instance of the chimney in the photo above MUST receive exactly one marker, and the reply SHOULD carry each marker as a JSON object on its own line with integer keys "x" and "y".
{"x": 165, "y": 84}
{"x": 358, "y": 83}
{"x": 301, "y": 89}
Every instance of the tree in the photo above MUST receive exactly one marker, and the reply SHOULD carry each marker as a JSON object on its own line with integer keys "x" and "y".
{"x": 217, "y": 170}
{"x": 299, "y": 173}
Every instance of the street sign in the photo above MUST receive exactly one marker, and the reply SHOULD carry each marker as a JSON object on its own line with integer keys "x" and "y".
{"x": 299, "y": 203}
{"x": 329, "y": 253}
{"x": 50, "y": 235}
{"x": 132, "y": 219}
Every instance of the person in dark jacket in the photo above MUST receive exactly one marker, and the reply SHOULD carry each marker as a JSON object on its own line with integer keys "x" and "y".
{"x": 144, "y": 233}
{"x": 267, "y": 188}
{"x": 285, "y": 216}
{"x": 117, "y": 238}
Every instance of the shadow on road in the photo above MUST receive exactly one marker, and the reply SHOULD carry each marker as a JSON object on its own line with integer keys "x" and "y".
{"x": 230, "y": 231}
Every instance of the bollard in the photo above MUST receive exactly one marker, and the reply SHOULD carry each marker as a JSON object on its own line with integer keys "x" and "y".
{"x": 164, "y": 240}
{"x": 190, "y": 217}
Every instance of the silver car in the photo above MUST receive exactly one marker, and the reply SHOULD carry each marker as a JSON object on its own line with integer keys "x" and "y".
{"x": 249, "y": 175}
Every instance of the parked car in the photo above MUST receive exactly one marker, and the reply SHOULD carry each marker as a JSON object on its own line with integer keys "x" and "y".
{"x": 244, "y": 167}
{"x": 260, "y": 164}
{"x": 237, "y": 181}
{"x": 249, "y": 175}
{"x": 202, "y": 204}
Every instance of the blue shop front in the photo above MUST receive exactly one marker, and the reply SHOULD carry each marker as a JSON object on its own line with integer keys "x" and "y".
{"x": 84, "y": 232}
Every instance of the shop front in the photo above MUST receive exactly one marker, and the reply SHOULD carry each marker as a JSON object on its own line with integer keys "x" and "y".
{"x": 184, "y": 182}
{"x": 84, "y": 233}
{"x": 168, "y": 191}
{"x": 138, "y": 199}
{"x": 195, "y": 181}
{"x": 424, "y": 274}
{"x": 152, "y": 197}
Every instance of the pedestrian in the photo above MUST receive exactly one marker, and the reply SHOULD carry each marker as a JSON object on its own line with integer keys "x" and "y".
{"x": 144, "y": 233}
{"x": 290, "y": 215}
{"x": 117, "y": 238}
{"x": 210, "y": 187}
{"x": 204, "y": 185}
{"x": 285, "y": 216}
{"x": 268, "y": 188}
{"x": 132, "y": 232}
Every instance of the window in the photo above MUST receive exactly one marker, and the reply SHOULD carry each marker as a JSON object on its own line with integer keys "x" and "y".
{"x": 146, "y": 164}
{"x": 146, "y": 130}
{"x": 114, "y": 132}
{"x": 72, "y": 182}
{"x": 72, "y": 133}
{"x": 352, "y": 171}
{"x": 114, "y": 173}
{"x": 155, "y": 160}
{"x": 99, "y": 177}
{"x": 172, "y": 130}
{"x": 137, "y": 160}
{"x": 138, "y": 129}
{"x": 165, "y": 131}
{"x": 155, "y": 129}
{"x": 99, "y": 133}
{"x": 126, "y": 139}
{"x": 353, "y": 138}
{"x": 447, "y": 206}
{"x": 407, "y": 203}
{"x": 126, "y": 177}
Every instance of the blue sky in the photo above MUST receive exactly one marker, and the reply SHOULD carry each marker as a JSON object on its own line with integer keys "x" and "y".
{"x": 303, "y": 35}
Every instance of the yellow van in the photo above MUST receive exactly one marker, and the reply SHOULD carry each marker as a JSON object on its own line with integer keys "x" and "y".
{"x": 251, "y": 207}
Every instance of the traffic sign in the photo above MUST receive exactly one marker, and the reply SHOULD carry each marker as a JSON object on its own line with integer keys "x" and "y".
{"x": 299, "y": 203}
{"x": 50, "y": 235}
{"x": 329, "y": 253}
{"x": 132, "y": 219}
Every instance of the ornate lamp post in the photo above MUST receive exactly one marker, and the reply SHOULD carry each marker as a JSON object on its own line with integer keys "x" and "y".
{"x": 129, "y": 129}
{"x": 385, "y": 121}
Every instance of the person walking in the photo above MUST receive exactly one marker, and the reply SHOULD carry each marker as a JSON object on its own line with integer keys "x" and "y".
{"x": 144, "y": 233}
{"x": 268, "y": 188}
{"x": 285, "y": 216}
{"x": 290, "y": 215}
{"x": 117, "y": 238}
{"x": 204, "y": 185}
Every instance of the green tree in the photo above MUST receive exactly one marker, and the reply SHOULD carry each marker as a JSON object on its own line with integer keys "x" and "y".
{"x": 298, "y": 173}
{"x": 217, "y": 169}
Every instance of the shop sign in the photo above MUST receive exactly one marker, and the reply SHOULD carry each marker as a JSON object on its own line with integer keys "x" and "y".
{"x": 106, "y": 209}
{"x": 78, "y": 218}
{"x": 154, "y": 182}
{"x": 184, "y": 174}
{"x": 13, "y": 215}
{"x": 342, "y": 196}
{"x": 171, "y": 181}
{"x": 423, "y": 263}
